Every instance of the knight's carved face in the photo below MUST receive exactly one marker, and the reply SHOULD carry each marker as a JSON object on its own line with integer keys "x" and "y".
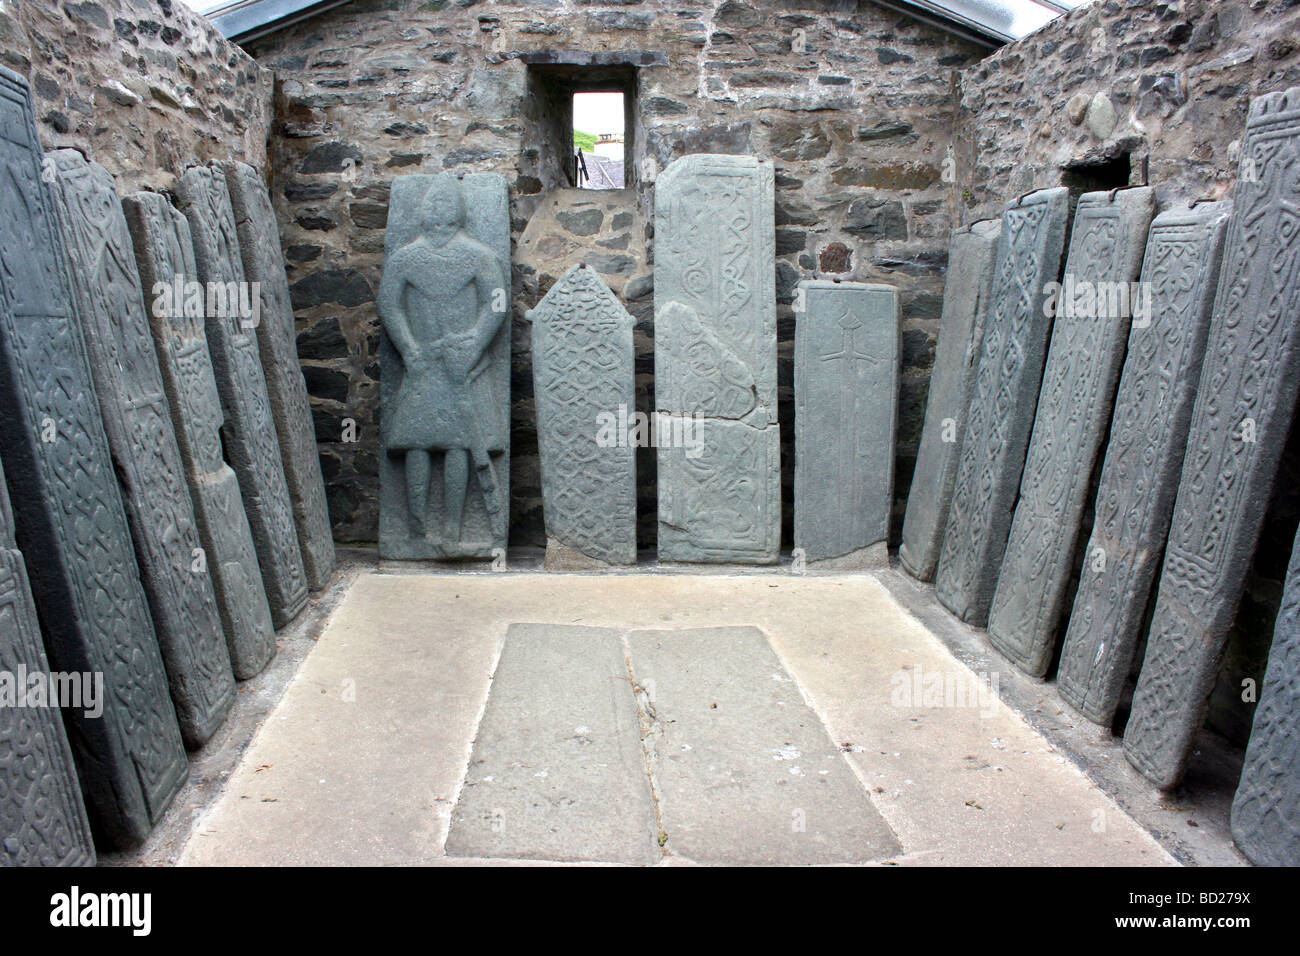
{"x": 443, "y": 214}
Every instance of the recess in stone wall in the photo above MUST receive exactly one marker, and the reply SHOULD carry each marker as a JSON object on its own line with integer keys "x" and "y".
{"x": 552, "y": 80}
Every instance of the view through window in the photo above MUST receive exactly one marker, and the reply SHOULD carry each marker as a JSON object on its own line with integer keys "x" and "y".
{"x": 598, "y": 139}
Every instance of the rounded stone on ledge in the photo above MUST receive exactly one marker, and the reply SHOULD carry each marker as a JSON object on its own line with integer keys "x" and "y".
{"x": 1076, "y": 107}
{"x": 1100, "y": 116}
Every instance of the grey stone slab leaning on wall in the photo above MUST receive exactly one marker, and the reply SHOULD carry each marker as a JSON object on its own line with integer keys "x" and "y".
{"x": 846, "y": 359}
{"x": 445, "y": 368}
{"x": 1243, "y": 413}
{"x": 1144, "y": 457}
{"x": 249, "y": 432}
{"x": 715, "y": 361}
{"x": 42, "y": 819}
{"x": 259, "y": 244}
{"x": 956, "y": 360}
{"x": 1266, "y": 808}
{"x": 110, "y": 308}
{"x": 1084, "y": 360}
{"x": 583, "y": 387}
{"x": 73, "y": 531}
{"x": 165, "y": 258}
{"x": 1001, "y": 411}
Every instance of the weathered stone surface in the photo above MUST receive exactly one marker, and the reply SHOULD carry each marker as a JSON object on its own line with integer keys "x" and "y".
{"x": 42, "y": 819}
{"x": 259, "y": 245}
{"x": 1084, "y": 359}
{"x": 956, "y": 360}
{"x": 846, "y": 358}
{"x": 248, "y": 431}
{"x": 74, "y": 534}
{"x": 1266, "y": 808}
{"x": 745, "y": 772}
{"x": 583, "y": 389}
{"x": 558, "y": 775}
{"x": 445, "y": 467}
{"x": 1001, "y": 410}
{"x": 715, "y": 360}
{"x": 1243, "y": 412}
{"x": 1148, "y": 435}
{"x": 165, "y": 256}
{"x": 111, "y": 311}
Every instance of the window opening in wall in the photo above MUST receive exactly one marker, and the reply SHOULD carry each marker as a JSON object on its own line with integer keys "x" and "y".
{"x": 1097, "y": 174}
{"x": 598, "y": 139}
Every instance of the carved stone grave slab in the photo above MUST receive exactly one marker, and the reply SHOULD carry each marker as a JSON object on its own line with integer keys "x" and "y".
{"x": 1266, "y": 808}
{"x": 583, "y": 383}
{"x": 1148, "y": 435}
{"x": 259, "y": 244}
{"x": 42, "y": 819}
{"x": 715, "y": 361}
{"x": 846, "y": 359}
{"x": 111, "y": 310}
{"x": 956, "y": 357}
{"x": 249, "y": 429}
{"x": 1093, "y": 314}
{"x": 165, "y": 257}
{"x": 73, "y": 531}
{"x": 1240, "y": 423}
{"x": 444, "y": 302}
{"x": 1001, "y": 411}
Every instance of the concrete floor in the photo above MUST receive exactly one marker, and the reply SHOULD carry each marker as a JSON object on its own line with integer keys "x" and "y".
{"x": 364, "y": 758}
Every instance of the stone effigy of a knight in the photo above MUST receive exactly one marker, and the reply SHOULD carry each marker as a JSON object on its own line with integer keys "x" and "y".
{"x": 442, "y": 304}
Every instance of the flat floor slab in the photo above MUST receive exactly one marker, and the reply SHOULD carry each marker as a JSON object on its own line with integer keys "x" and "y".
{"x": 745, "y": 771}
{"x": 557, "y": 771}
{"x": 364, "y": 758}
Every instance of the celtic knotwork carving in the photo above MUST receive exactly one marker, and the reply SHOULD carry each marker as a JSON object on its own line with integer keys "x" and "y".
{"x": 75, "y": 535}
{"x": 1242, "y": 415}
{"x": 715, "y": 327}
{"x": 166, "y": 261}
{"x": 108, "y": 301}
{"x": 583, "y": 377}
{"x": 1000, "y": 415}
{"x": 249, "y": 428}
{"x": 264, "y": 264}
{"x": 1148, "y": 435}
{"x": 1074, "y": 404}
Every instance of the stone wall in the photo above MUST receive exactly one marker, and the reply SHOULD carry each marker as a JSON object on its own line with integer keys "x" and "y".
{"x": 852, "y": 102}
{"x": 142, "y": 87}
{"x": 1135, "y": 92}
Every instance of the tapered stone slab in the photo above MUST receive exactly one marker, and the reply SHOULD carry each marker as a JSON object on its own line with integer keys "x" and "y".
{"x": 1093, "y": 315}
{"x": 1266, "y": 808}
{"x": 42, "y": 819}
{"x": 111, "y": 311}
{"x": 715, "y": 359}
{"x": 249, "y": 432}
{"x": 1148, "y": 435}
{"x": 956, "y": 360}
{"x": 745, "y": 772}
{"x": 165, "y": 258}
{"x": 583, "y": 380}
{"x": 1001, "y": 411}
{"x": 73, "y": 531}
{"x": 1243, "y": 413}
{"x": 259, "y": 245}
{"x": 444, "y": 475}
{"x": 557, "y": 771}
{"x": 846, "y": 356}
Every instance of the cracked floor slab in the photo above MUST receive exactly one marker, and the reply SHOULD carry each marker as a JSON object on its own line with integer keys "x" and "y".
{"x": 744, "y": 770}
{"x": 557, "y": 771}
{"x": 363, "y": 759}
